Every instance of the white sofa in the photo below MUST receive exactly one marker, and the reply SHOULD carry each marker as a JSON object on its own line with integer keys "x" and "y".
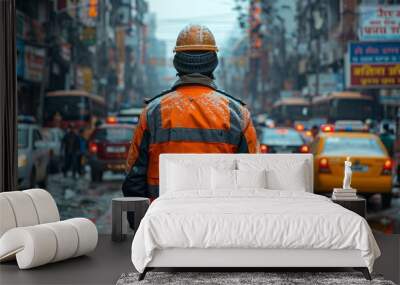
{"x": 31, "y": 231}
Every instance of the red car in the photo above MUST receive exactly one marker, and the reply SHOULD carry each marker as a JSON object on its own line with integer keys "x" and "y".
{"x": 108, "y": 149}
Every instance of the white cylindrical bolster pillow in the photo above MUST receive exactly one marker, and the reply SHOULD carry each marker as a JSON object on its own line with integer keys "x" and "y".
{"x": 26, "y": 208}
{"x": 22, "y": 207}
{"x": 7, "y": 218}
{"x": 37, "y": 245}
{"x": 45, "y": 205}
{"x": 87, "y": 235}
{"x": 32, "y": 246}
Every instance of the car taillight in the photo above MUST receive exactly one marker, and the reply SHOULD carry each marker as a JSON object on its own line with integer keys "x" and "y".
{"x": 327, "y": 128}
{"x": 93, "y": 148}
{"x": 305, "y": 149}
{"x": 264, "y": 148}
{"x": 299, "y": 127}
{"x": 324, "y": 165}
{"x": 387, "y": 167}
{"x": 111, "y": 120}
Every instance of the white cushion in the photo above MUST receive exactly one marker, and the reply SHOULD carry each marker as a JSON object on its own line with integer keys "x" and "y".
{"x": 282, "y": 174}
{"x": 278, "y": 180}
{"x": 32, "y": 246}
{"x": 45, "y": 205}
{"x": 67, "y": 240}
{"x": 40, "y": 244}
{"x": 183, "y": 177}
{"x": 26, "y": 208}
{"x": 226, "y": 179}
{"x": 23, "y": 208}
{"x": 223, "y": 179}
{"x": 87, "y": 233}
{"x": 7, "y": 218}
{"x": 193, "y": 174}
{"x": 251, "y": 178}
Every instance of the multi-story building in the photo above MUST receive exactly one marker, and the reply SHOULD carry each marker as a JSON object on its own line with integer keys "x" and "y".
{"x": 325, "y": 30}
{"x": 32, "y": 54}
{"x": 97, "y": 46}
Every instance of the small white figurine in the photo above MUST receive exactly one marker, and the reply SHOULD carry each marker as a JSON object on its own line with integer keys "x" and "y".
{"x": 347, "y": 174}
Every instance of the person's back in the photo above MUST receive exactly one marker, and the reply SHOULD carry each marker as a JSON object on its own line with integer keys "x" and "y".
{"x": 69, "y": 142}
{"x": 388, "y": 139}
{"x": 192, "y": 117}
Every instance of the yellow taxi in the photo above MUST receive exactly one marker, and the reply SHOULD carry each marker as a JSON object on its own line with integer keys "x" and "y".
{"x": 371, "y": 164}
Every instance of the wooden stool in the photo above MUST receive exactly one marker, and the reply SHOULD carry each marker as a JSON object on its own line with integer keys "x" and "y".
{"x": 120, "y": 206}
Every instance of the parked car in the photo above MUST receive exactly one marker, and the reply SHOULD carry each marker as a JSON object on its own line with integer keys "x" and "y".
{"x": 282, "y": 140}
{"x": 108, "y": 149}
{"x": 54, "y": 138}
{"x": 33, "y": 157}
{"x": 372, "y": 166}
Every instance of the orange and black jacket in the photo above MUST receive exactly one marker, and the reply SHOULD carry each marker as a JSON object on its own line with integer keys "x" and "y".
{"x": 192, "y": 117}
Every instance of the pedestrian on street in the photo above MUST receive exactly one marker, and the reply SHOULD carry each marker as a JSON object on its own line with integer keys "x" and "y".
{"x": 70, "y": 148}
{"x": 82, "y": 152}
{"x": 388, "y": 139}
{"x": 314, "y": 131}
{"x": 193, "y": 116}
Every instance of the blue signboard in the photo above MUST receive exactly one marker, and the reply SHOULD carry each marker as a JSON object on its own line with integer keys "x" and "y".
{"x": 374, "y": 52}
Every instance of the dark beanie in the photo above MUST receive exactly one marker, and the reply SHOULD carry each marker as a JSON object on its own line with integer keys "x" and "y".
{"x": 196, "y": 62}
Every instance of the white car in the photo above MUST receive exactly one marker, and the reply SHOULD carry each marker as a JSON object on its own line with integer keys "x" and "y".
{"x": 33, "y": 157}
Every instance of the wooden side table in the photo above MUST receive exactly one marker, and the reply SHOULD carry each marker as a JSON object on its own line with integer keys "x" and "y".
{"x": 357, "y": 205}
{"x": 120, "y": 206}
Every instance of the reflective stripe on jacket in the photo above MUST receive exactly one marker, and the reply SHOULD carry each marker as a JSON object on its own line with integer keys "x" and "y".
{"x": 192, "y": 118}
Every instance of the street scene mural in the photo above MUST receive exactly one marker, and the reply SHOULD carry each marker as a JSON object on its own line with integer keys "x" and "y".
{"x": 320, "y": 77}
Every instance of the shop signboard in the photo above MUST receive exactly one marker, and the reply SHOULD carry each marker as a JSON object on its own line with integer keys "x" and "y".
{"x": 88, "y": 35}
{"x": 85, "y": 78}
{"x": 29, "y": 29}
{"x": 379, "y": 22}
{"x": 34, "y": 60}
{"x": 328, "y": 82}
{"x": 373, "y": 65}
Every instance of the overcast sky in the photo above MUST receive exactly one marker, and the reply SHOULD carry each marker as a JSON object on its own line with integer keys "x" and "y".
{"x": 173, "y": 15}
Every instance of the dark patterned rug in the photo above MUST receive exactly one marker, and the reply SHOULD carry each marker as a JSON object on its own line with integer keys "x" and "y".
{"x": 230, "y": 278}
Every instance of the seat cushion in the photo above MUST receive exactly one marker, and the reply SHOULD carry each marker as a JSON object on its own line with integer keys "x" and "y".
{"x": 26, "y": 208}
{"x": 7, "y": 220}
{"x": 23, "y": 209}
{"x": 45, "y": 205}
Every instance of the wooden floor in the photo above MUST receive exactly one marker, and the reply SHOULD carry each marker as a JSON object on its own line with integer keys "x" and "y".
{"x": 111, "y": 259}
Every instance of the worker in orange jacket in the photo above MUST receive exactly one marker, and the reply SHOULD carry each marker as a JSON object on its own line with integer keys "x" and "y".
{"x": 192, "y": 117}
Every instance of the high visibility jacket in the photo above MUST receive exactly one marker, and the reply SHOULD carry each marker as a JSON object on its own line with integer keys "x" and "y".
{"x": 193, "y": 117}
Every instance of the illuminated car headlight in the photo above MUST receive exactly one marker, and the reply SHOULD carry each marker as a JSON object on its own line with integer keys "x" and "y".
{"x": 22, "y": 160}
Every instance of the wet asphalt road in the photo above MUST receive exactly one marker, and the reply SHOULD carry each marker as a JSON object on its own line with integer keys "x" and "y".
{"x": 82, "y": 198}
